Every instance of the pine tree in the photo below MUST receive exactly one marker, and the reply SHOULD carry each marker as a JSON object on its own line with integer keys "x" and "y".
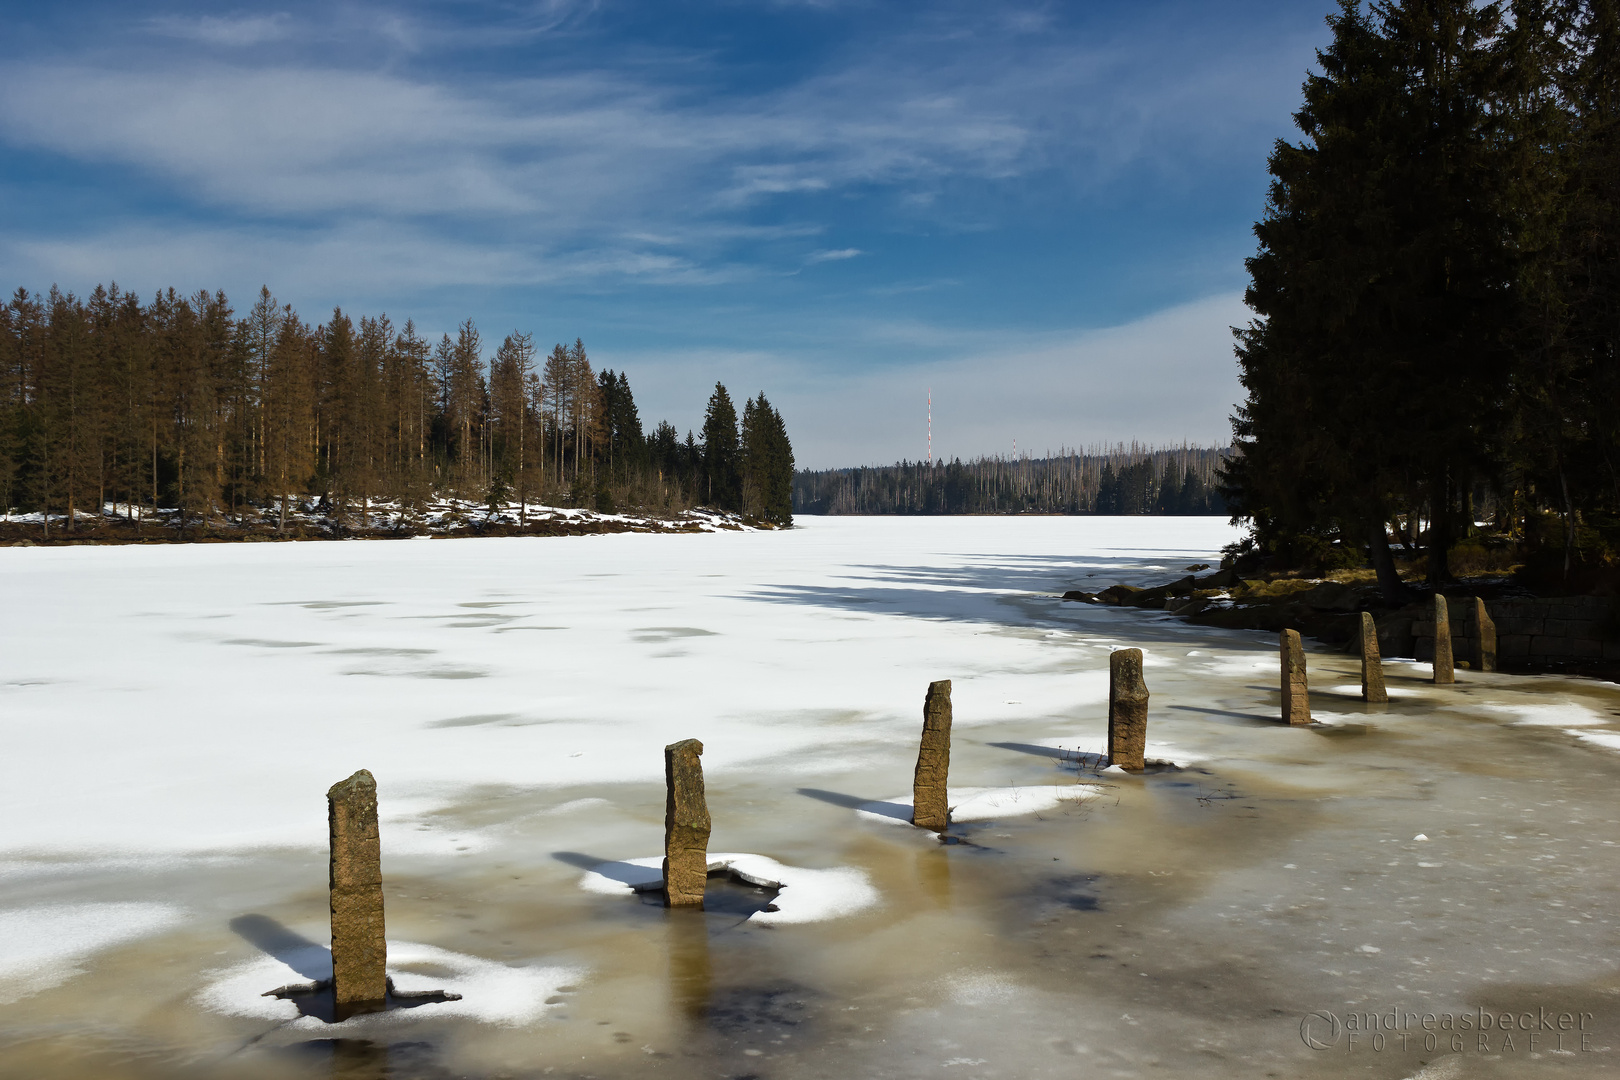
{"x": 721, "y": 464}
{"x": 776, "y": 482}
{"x": 1382, "y": 288}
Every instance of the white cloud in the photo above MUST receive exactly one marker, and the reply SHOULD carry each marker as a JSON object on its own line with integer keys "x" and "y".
{"x": 355, "y": 263}
{"x": 234, "y": 31}
{"x": 833, "y": 256}
{"x": 631, "y": 144}
{"x": 1165, "y": 378}
{"x": 560, "y": 154}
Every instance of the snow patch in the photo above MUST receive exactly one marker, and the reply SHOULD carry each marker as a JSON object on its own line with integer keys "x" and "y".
{"x": 1564, "y": 714}
{"x": 491, "y": 992}
{"x": 1090, "y": 752}
{"x": 1328, "y": 719}
{"x": 41, "y": 947}
{"x": 1609, "y": 739}
{"x": 985, "y": 804}
{"x": 805, "y": 895}
{"x": 1354, "y": 690}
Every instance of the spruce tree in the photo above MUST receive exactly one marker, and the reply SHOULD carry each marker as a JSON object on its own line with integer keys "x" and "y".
{"x": 1376, "y": 364}
{"x": 721, "y": 453}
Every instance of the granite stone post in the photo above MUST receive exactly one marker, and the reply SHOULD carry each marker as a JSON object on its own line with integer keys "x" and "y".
{"x": 1445, "y": 669}
{"x": 1372, "y": 664}
{"x": 930, "y": 806}
{"x": 1296, "y": 698}
{"x": 686, "y": 826}
{"x": 1127, "y": 710}
{"x": 1484, "y": 638}
{"x": 359, "y": 946}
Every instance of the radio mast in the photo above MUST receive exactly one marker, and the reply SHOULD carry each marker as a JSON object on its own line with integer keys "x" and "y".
{"x": 930, "y": 427}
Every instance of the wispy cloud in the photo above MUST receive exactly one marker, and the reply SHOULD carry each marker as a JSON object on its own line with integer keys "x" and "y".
{"x": 548, "y": 153}
{"x": 1165, "y": 378}
{"x": 234, "y": 31}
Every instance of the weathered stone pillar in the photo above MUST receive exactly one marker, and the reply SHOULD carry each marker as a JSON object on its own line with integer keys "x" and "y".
{"x": 930, "y": 805}
{"x": 686, "y": 825}
{"x": 1445, "y": 670}
{"x": 359, "y": 946}
{"x": 1372, "y": 663}
{"x": 1127, "y": 710}
{"x": 1484, "y": 641}
{"x": 1296, "y": 698}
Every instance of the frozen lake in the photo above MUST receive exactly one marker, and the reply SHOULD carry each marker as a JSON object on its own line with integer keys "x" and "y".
{"x": 172, "y": 718}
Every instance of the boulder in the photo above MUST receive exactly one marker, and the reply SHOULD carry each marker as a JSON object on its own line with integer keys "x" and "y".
{"x": 1155, "y": 597}
{"x": 1119, "y": 594}
{"x": 1220, "y": 579}
{"x": 1330, "y": 596}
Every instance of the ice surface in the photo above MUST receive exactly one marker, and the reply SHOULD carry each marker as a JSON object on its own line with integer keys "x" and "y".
{"x": 458, "y": 663}
{"x": 173, "y": 717}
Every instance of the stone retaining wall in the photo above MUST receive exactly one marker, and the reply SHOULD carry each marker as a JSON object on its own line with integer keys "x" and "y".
{"x": 1530, "y": 631}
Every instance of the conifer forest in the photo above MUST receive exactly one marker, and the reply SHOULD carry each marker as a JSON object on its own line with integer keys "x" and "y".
{"x": 180, "y": 411}
{"x": 1433, "y": 355}
{"x": 1127, "y": 480}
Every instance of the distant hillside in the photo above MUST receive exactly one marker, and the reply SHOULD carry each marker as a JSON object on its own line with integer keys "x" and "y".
{"x": 1132, "y": 479}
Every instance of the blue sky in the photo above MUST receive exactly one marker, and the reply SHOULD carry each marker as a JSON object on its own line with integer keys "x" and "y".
{"x": 1039, "y": 210}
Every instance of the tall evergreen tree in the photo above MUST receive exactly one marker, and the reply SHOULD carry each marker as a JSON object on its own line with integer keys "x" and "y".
{"x": 721, "y": 453}
{"x": 1382, "y": 343}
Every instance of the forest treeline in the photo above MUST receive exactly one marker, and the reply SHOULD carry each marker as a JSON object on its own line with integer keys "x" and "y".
{"x": 1436, "y": 295}
{"x": 1132, "y": 479}
{"x": 107, "y": 401}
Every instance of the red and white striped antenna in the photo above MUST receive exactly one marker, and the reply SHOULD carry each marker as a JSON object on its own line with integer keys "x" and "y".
{"x": 930, "y": 427}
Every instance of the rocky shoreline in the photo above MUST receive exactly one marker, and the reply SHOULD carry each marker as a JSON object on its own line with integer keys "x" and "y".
{"x": 1575, "y": 635}
{"x": 439, "y": 520}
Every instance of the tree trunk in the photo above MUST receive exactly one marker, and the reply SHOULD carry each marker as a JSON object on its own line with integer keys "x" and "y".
{"x": 1440, "y": 530}
{"x": 1569, "y": 522}
{"x": 1389, "y": 580}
